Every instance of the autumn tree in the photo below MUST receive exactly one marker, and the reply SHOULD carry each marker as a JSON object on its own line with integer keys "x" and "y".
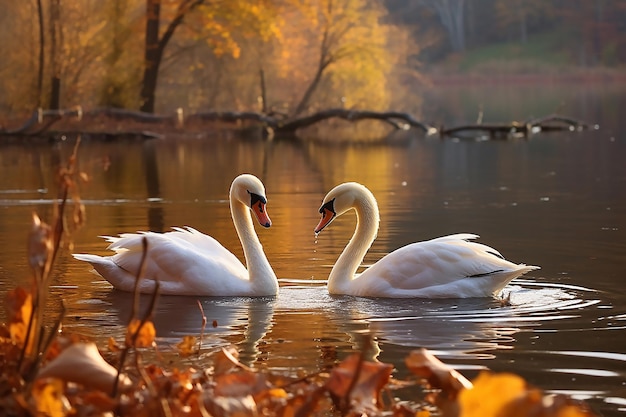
{"x": 121, "y": 69}
{"x": 219, "y": 24}
{"x": 155, "y": 45}
{"x": 340, "y": 53}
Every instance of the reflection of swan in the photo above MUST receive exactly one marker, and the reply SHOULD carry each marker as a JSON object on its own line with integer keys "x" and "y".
{"x": 446, "y": 267}
{"x": 242, "y": 321}
{"x": 187, "y": 262}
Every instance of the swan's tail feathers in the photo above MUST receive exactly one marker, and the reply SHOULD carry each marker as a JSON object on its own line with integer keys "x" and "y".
{"x": 85, "y": 257}
{"x": 97, "y": 262}
{"x": 527, "y": 268}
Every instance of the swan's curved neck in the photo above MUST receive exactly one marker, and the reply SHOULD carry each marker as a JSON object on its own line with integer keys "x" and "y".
{"x": 260, "y": 271}
{"x": 367, "y": 221}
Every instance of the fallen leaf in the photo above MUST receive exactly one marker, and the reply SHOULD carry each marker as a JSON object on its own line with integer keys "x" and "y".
{"x": 225, "y": 360}
{"x": 439, "y": 375}
{"x": 83, "y": 364}
{"x": 231, "y": 406}
{"x": 361, "y": 395}
{"x": 145, "y": 337}
{"x": 489, "y": 394}
{"x": 240, "y": 384}
{"x": 49, "y": 398}
{"x": 187, "y": 346}
{"x": 19, "y": 307}
{"x": 506, "y": 394}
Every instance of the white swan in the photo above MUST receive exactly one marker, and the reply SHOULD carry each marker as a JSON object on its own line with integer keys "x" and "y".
{"x": 187, "y": 262}
{"x": 446, "y": 267}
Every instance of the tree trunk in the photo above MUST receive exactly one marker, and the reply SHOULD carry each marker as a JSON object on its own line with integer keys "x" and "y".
{"x": 155, "y": 46}
{"x": 55, "y": 93}
{"x": 41, "y": 54}
{"x": 152, "y": 57}
{"x": 55, "y": 50}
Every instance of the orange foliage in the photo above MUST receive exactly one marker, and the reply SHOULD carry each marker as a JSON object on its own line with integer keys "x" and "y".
{"x": 140, "y": 337}
{"x": 19, "y": 307}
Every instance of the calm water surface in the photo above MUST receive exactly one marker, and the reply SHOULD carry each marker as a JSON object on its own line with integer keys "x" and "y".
{"x": 558, "y": 201}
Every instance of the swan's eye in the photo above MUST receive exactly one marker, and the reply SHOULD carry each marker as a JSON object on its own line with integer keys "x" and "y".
{"x": 330, "y": 206}
{"x": 255, "y": 198}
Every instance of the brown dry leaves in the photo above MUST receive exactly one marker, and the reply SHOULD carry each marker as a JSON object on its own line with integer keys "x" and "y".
{"x": 490, "y": 394}
{"x": 140, "y": 334}
{"x": 19, "y": 306}
{"x": 226, "y": 387}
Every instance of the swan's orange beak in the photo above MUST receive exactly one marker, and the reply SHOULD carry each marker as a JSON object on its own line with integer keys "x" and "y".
{"x": 261, "y": 214}
{"x": 327, "y": 216}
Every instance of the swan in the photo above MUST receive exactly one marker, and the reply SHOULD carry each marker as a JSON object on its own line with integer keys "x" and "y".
{"x": 445, "y": 267}
{"x": 187, "y": 262}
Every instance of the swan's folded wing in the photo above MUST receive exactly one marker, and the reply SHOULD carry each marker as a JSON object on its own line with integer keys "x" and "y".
{"x": 438, "y": 262}
{"x": 176, "y": 256}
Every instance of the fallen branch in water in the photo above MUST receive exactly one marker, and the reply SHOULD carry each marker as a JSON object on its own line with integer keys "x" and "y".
{"x": 551, "y": 123}
{"x": 130, "y": 123}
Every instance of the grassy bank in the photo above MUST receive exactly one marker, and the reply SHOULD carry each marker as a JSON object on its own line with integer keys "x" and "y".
{"x": 551, "y": 58}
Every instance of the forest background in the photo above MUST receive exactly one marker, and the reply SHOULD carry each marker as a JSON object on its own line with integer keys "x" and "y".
{"x": 292, "y": 56}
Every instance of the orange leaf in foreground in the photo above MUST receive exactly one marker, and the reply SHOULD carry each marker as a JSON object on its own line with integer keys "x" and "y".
{"x": 146, "y": 335}
{"x": 49, "y": 398}
{"x": 362, "y": 394}
{"x": 240, "y": 384}
{"x": 439, "y": 375}
{"x": 490, "y": 393}
{"x": 19, "y": 307}
{"x": 509, "y": 395}
{"x": 225, "y": 360}
{"x": 187, "y": 346}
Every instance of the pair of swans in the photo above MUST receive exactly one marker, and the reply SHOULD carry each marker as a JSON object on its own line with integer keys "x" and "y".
{"x": 187, "y": 262}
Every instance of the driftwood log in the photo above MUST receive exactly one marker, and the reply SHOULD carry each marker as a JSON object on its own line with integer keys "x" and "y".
{"x": 135, "y": 123}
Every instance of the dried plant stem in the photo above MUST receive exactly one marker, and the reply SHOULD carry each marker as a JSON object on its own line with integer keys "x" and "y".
{"x": 204, "y": 321}
{"x": 46, "y": 249}
{"x": 48, "y": 342}
{"x": 165, "y": 405}
{"x": 345, "y": 401}
{"x": 144, "y": 319}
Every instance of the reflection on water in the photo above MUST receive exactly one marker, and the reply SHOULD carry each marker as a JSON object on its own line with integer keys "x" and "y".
{"x": 558, "y": 201}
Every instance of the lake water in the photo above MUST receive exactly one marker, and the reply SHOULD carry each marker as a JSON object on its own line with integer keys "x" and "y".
{"x": 554, "y": 200}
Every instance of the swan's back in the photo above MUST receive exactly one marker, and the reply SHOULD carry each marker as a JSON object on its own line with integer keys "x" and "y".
{"x": 184, "y": 261}
{"x": 449, "y": 266}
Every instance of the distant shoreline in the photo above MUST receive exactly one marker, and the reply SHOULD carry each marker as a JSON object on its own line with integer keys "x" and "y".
{"x": 587, "y": 77}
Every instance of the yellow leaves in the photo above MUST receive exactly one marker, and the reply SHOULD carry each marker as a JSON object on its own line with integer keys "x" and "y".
{"x": 19, "y": 306}
{"x": 139, "y": 337}
{"x": 49, "y": 398}
{"x": 490, "y": 394}
{"x": 509, "y": 395}
{"x": 277, "y": 393}
{"x": 187, "y": 346}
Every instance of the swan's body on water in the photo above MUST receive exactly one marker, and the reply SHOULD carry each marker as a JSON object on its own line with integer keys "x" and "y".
{"x": 187, "y": 262}
{"x": 446, "y": 267}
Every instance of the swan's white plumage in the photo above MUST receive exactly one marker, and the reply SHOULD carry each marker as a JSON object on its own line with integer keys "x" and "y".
{"x": 446, "y": 267}
{"x": 187, "y": 262}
